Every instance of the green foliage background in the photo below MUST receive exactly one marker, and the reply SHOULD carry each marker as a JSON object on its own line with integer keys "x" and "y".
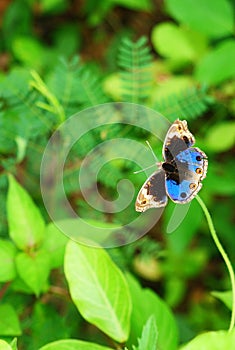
{"x": 58, "y": 57}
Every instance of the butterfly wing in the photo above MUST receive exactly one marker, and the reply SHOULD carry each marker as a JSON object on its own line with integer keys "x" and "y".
{"x": 178, "y": 139}
{"x": 191, "y": 167}
{"x": 153, "y": 193}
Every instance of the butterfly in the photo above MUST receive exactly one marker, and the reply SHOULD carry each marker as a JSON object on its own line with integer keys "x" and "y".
{"x": 179, "y": 176}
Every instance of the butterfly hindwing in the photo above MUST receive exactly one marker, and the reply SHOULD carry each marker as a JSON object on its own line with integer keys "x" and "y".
{"x": 191, "y": 166}
{"x": 153, "y": 193}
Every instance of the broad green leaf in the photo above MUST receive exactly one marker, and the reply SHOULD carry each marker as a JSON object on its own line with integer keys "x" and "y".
{"x": 34, "y": 269}
{"x": 218, "y": 65}
{"x": 214, "y": 135}
{"x": 149, "y": 335}
{"x": 26, "y": 225}
{"x": 72, "y": 344}
{"x": 54, "y": 243}
{"x": 214, "y": 21}
{"x": 147, "y": 303}
{"x": 225, "y": 297}
{"x": 9, "y": 323}
{"x": 4, "y": 345}
{"x": 28, "y": 50}
{"x": 182, "y": 45}
{"x": 98, "y": 289}
{"x": 221, "y": 340}
{"x": 7, "y": 263}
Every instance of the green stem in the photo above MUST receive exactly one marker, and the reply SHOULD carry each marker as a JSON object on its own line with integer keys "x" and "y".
{"x": 224, "y": 255}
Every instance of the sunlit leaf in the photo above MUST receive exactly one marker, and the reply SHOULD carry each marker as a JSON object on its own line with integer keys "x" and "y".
{"x": 149, "y": 335}
{"x": 182, "y": 45}
{"x": 26, "y": 224}
{"x": 4, "y": 345}
{"x": 215, "y": 133}
{"x": 225, "y": 297}
{"x": 9, "y": 322}
{"x": 217, "y": 65}
{"x": 7, "y": 255}
{"x": 213, "y": 341}
{"x": 34, "y": 269}
{"x": 98, "y": 289}
{"x": 215, "y": 21}
{"x": 72, "y": 344}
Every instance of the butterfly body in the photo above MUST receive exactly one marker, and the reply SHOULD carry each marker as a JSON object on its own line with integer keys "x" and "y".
{"x": 179, "y": 176}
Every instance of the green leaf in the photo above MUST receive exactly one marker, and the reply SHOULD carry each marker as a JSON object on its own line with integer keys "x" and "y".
{"x": 225, "y": 297}
{"x": 213, "y": 341}
{"x": 147, "y": 303}
{"x": 98, "y": 289}
{"x": 7, "y": 263}
{"x": 182, "y": 45}
{"x": 4, "y": 345}
{"x": 28, "y": 50}
{"x": 72, "y": 344}
{"x": 67, "y": 39}
{"x": 16, "y": 13}
{"x": 54, "y": 243}
{"x": 141, "y": 5}
{"x": 217, "y": 65}
{"x": 26, "y": 225}
{"x": 21, "y": 148}
{"x": 149, "y": 335}
{"x": 215, "y": 21}
{"x": 47, "y": 325}
{"x": 214, "y": 134}
{"x": 14, "y": 344}
{"x": 34, "y": 269}
{"x": 55, "y": 6}
{"x": 9, "y": 323}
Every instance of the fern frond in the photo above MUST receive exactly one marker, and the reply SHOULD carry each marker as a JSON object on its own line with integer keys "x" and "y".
{"x": 90, "y": 90}
{"x": 76, "y": 86}
{"x": 63, "y": 82}
{"x": 189, "y": 103}
{"x": 18, "y": 103}
{"x": 135, "y": 61}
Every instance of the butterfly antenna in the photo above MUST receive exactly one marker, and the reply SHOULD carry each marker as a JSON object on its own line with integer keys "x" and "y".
{"x": 154, "y": 155}
{"x": 140, "y": 171}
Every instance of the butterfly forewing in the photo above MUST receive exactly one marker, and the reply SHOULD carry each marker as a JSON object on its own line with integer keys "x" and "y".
{"x": 178, "y": 139}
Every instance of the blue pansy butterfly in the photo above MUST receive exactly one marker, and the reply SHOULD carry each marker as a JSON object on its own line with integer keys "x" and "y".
{"x": 181, "y": 173}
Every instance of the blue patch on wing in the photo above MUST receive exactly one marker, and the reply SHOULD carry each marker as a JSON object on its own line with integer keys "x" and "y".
{"x": 181, "y": 192}
{"x": 191, "y": 156}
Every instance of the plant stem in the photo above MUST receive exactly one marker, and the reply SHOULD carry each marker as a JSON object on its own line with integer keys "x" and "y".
{"x": 224, "y": 255}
